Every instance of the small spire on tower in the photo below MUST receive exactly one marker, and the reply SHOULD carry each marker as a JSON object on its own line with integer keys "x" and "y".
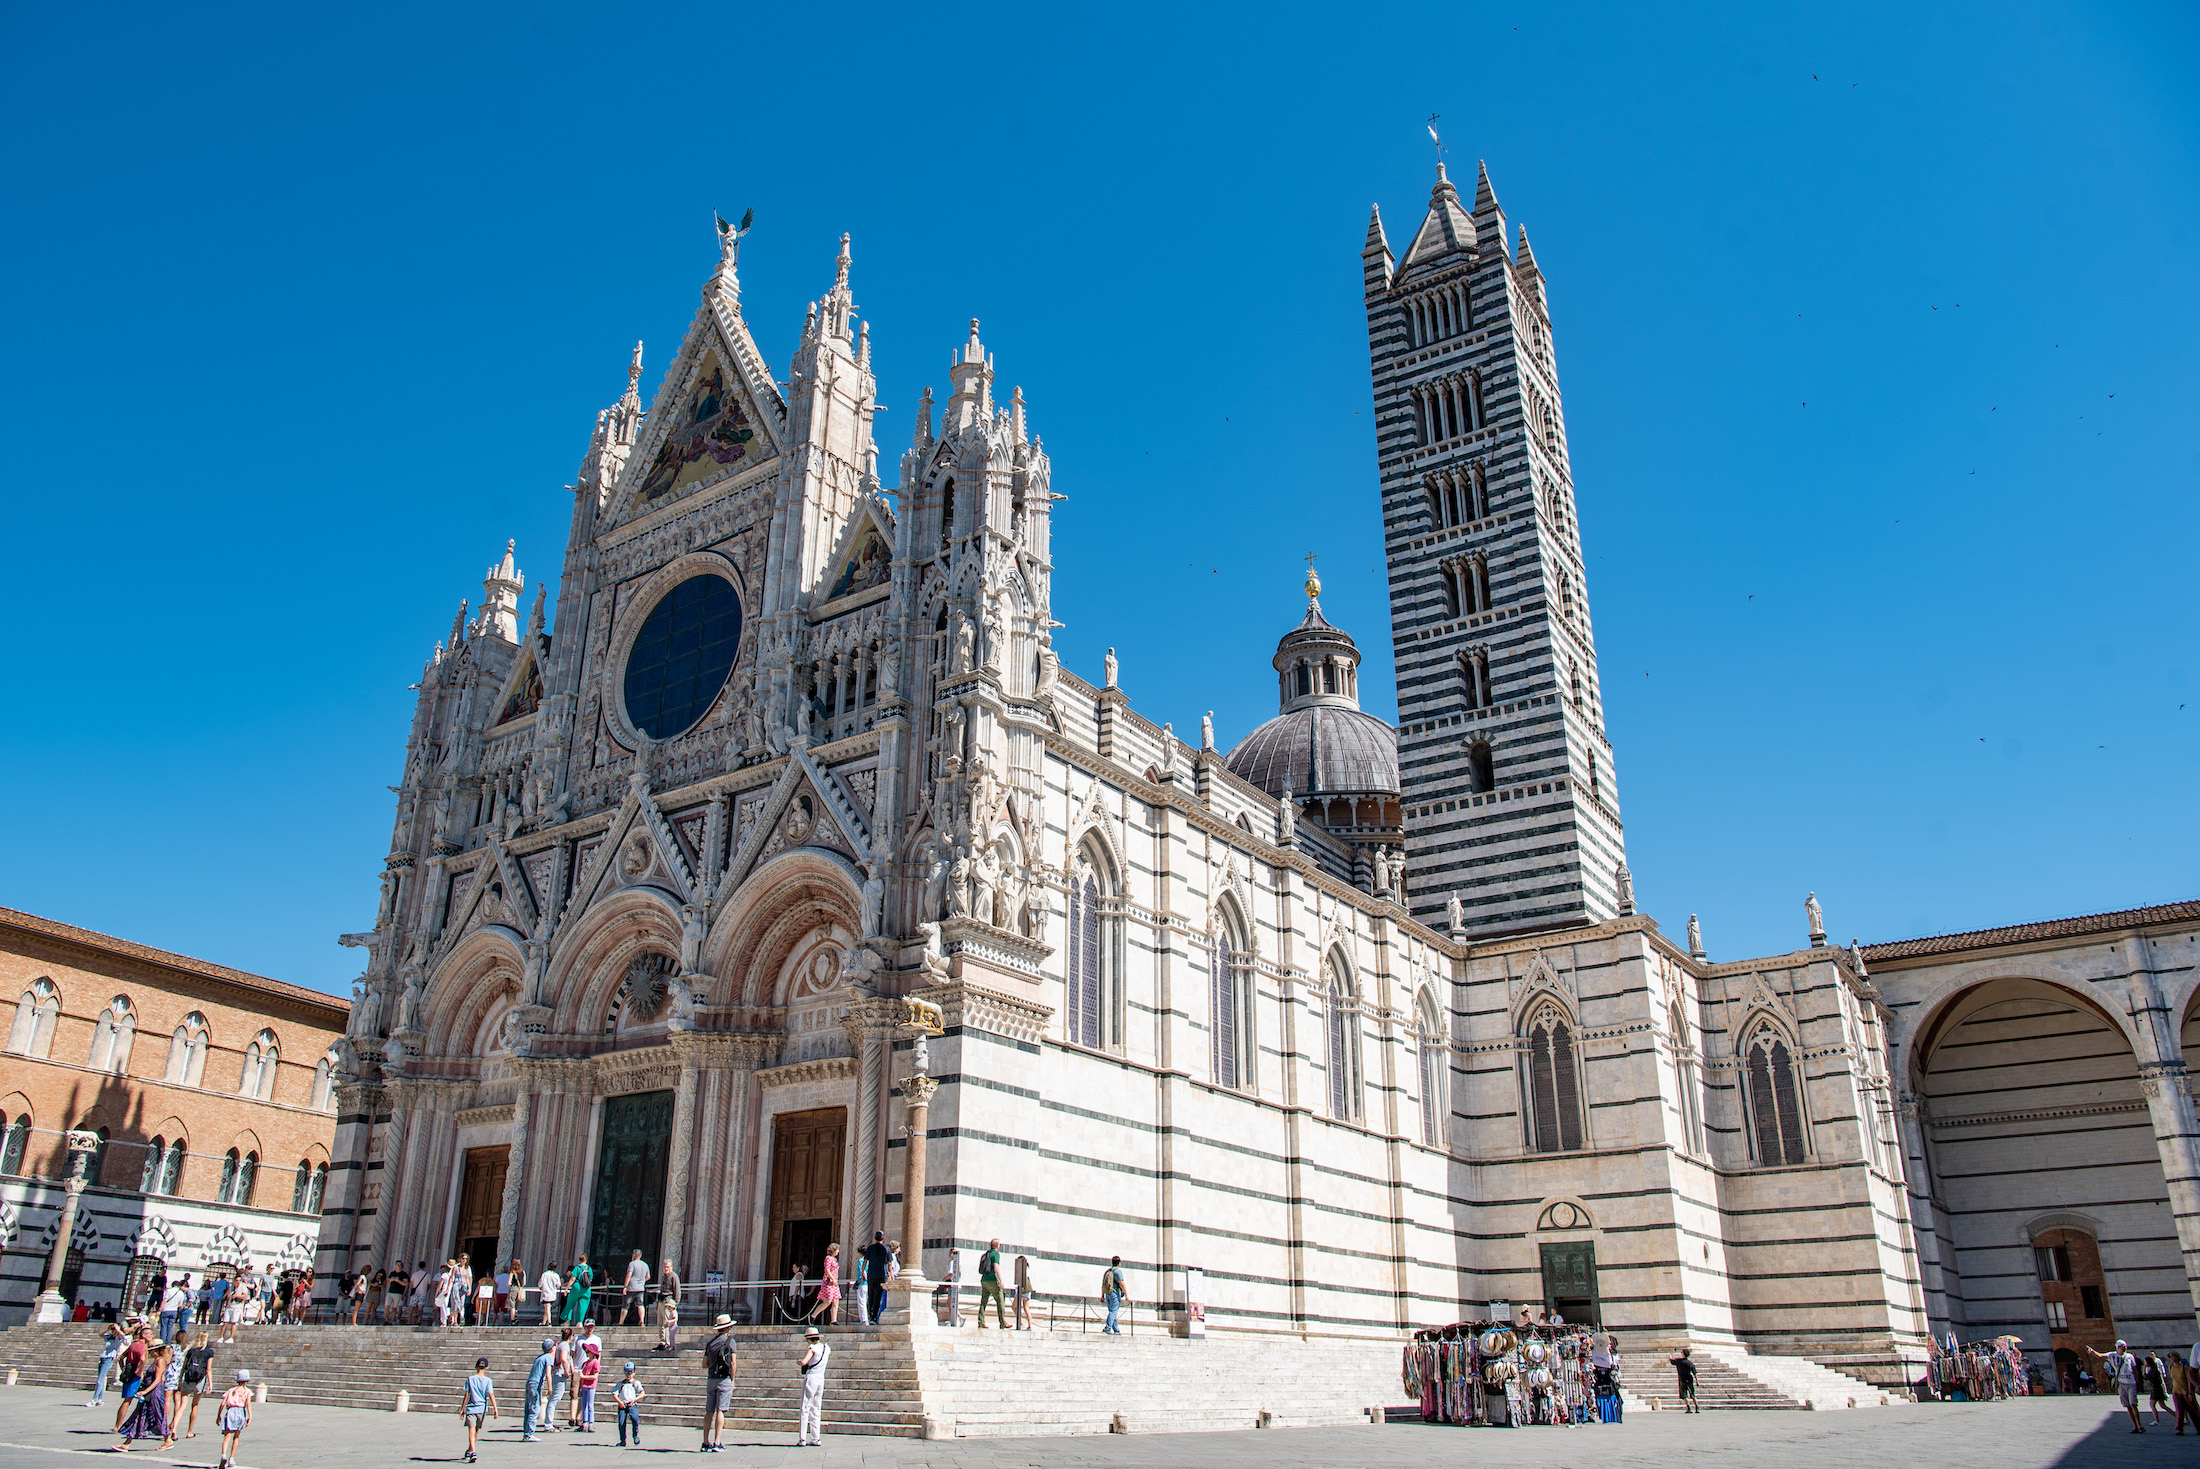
{"x": 1016, "y": 415}
{"x": 924, "y": 418}
{"x": 458, "y": 625}
{"x": 840, "y": 266}
{"x": 1485, "y": 197}
{"x": 1313, "y": 582}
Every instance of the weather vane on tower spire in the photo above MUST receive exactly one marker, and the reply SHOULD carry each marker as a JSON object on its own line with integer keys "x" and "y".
{"x": 1436, "y": 137}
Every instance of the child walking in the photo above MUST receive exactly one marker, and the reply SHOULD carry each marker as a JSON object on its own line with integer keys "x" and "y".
{"x": 480, "y": 1401}
{"x": 628, "y": 1395}
{"x": 236, "y": 1415}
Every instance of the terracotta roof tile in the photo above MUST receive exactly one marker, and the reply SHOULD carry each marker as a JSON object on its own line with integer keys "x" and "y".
{"x": 69, "y": 933}
{"x": 2025, "y": 933}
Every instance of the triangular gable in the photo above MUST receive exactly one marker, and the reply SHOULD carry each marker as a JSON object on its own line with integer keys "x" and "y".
{"x": 863, "y": 559}
{"x": 716, "y": 414}
{"x": 1445, "y": 232}
{"x": 522, "y": 692}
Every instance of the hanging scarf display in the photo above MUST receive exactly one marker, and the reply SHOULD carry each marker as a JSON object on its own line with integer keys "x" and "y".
{"x": 1977, "y": 1372}
{"x": 1490, "y": 1374}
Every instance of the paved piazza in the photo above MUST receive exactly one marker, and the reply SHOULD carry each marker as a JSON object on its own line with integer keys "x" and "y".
{"x": 40, "y": 1427}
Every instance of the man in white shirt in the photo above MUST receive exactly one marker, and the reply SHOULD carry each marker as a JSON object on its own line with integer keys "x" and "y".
{"x": 637, "y": 1287}
{"x": 2122, "y": 1367}
{"x": 175, "y": 1307}
{"x": 549, "y": 1285}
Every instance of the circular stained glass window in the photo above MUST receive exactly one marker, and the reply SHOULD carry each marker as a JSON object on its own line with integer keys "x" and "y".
{"x": 682, "y": 656}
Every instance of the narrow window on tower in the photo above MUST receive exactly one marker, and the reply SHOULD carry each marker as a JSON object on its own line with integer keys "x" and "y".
{"x": 1481, "y": 769}
{"x": 1474, "y": 396}
{"x": 1481, "y": 493}
{"x": 1306, "y": 680}
{"x": 1481, "y": 569}
{"x": 1435, "y": 503}
{"x": 1448, "y": 574}
{"x": 947, "y": 514}
{"x": 1594, "y": 794}
{"x": 1574, "y": 666}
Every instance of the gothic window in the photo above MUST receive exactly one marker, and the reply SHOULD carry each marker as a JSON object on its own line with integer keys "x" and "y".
{"x": 258, "y": 1077}
{"x": 1552, "y": 1078}
{"x": 306, "y": 1188}
{"x": 1773, "y": 1101}
{"x": 149, "y": 1171}
{"x": 1448, "y": 575}
{"x": 1306, "y": 680}
{"x": 15, "y": 1140}
{"x": 1478, "y": 576}
{"x": 323, "y": 1098}
{"x": 1343, "y": 1060}
{"x": 947, "y": 514}
{"x": 1230, "y": 1027}
{"x": 171, "y": 1168}
{"x": 35, "y": 1014}
{"x": 1685, "y": 1090}
{"x": 1481, "y": 770}
{"x": 1594, "y": 793}
{"x": 112, "y": 1035}
{"x": 1434, "y": 1052}
{"x": 1481, "y": 493}
{"x": 187, "y": 1052}
{"x": 1088, "y": 1017}
{"x": 238, "y": 1175}
{"x": 1473, "y": 388}
{"x": 1474, "y": 678}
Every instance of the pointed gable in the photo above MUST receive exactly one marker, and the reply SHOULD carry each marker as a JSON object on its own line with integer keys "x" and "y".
{"x": 1445, "y": 233}
{"x": 863, "y": 561}
{"x": 712, "y": 432}
{"x": 523, "y": 690}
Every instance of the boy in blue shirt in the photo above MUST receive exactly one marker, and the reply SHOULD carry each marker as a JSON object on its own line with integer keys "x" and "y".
{"x": 479, "y": 1402}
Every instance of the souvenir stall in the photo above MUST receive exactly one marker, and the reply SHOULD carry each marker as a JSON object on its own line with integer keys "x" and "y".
{"x": 1491, "y": 1375}
{"x": 1977, "y": 1372}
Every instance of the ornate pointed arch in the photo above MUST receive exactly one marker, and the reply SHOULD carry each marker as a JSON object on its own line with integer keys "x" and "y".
{"x": 768, "y": 916}
{"x": 590, "y": 957}
{"x": 479, "y": 977}
{"x": 1550, "y": 1076}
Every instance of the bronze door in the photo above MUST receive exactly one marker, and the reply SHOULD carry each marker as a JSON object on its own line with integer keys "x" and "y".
{"x": 481, "y": 1206}
{"x": 807, "y": 1153}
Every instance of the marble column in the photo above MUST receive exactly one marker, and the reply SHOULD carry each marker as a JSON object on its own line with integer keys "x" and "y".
{"x": 515, "y": 1173}
{"x": 382, "y": 1236}
{"x": 2165, "y": 1083}
{"x": 678, "y": 1153}
{"x": 50, "y": 1306}
{"x": 918, "y": 1090}
{"x": 870, "y": 1025}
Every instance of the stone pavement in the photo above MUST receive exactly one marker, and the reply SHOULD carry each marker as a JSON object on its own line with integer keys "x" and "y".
{"x": 43, "y": 1429}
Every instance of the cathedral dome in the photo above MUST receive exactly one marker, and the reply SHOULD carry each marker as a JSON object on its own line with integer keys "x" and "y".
{"x": 1321, "y": 744}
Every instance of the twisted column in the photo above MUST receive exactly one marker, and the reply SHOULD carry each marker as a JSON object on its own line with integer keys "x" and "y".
{"x": 681, "y": 1149}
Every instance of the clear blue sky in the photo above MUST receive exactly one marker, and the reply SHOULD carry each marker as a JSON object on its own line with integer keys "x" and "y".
{"x": 1876, "y": 326}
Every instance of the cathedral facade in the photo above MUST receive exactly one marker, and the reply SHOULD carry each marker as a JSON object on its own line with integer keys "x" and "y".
{"x": 786, "y": 867}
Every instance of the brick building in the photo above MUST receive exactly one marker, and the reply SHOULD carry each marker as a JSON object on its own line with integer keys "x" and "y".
{"x": 210, "y": 1087}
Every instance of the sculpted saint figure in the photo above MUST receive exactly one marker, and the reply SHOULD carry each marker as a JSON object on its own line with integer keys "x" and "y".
{"x": 1695, "y": 935}
{"x": 958, "y": 887}
{"x": 1108, "y": 664}
{"x": 1453, "y": 915}
{"x": 1816, "y": 915}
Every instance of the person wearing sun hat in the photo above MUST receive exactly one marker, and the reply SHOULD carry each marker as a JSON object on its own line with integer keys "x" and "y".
{"x": 718, "y": 1364}
{"x": 811, "y": 1433}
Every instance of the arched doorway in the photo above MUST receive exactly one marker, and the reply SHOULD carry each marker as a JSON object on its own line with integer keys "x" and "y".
{"x": 2040, "y": 1148}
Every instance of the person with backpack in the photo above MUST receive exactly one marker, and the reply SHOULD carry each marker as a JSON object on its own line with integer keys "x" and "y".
{"x": 477, "y": 1400}
{"x": 1111, "y": 1294}
{"x": 989, "y": 1285}
{"x": 236, "y": 1416}
{"x": 578, "y": 1287}
{"x": 198, "y": 1375}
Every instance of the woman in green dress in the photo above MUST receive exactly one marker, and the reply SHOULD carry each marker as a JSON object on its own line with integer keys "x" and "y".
{"x": 577, "y": 1287}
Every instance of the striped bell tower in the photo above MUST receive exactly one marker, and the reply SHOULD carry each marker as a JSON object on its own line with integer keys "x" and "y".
{"x": 1510, "y": 798}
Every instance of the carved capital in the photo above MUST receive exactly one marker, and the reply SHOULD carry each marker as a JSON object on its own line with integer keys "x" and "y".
{"x": 919, "y": 1090}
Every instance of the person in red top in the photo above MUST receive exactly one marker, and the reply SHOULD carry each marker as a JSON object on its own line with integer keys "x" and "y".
{"x": 588, "y": 1363}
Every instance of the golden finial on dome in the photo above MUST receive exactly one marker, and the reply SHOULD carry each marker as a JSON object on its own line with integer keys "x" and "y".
{"x": 1313, "y": 582}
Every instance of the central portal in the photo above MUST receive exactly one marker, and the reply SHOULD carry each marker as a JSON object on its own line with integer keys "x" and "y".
{"x": 629, "y": 1211}
{"x": 807, "y": 1149}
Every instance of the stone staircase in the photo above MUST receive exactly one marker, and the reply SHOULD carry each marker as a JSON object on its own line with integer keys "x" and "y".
{"x": 1029, "y": 1383}
{"x": 872, "y": 1384}
{"x": 1732, "y": 1379}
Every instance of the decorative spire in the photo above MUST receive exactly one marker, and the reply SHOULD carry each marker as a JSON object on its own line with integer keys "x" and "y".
{"x": 924, "y": 418}
{"x": 1376, "y": 239}
{"x": 500, "y": 598}
{"x": 535, "y": 616}
{"x": 1016, "y": 416}
{"x": 634, "y": 375}
{"x": 1443, "y": 189}
{"x": 458, "y": 626}
{"x": 840, "y": 266}
{"x": 1485, "y": 197}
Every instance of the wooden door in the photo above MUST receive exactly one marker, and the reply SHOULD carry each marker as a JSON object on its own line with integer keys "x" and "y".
{"x": 808, "y": 1149}
{"x": 481, "y": 1205}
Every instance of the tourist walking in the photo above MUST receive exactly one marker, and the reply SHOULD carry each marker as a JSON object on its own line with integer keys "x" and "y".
{"x": 236, "y": 1416}
{"x": 637, "y": 1292}
{"x": 149, "y": 1417}
{"x": 2180, "y": 1390}
{"x": 135, "y": 1359}
{"x": 588, "y": 1366}
{"x": 477, "y": 1400}
{"x": 2157, "y": 1387}
{"x": 539, "y": 1377}
{"x": 549, "y": 1285}
{"x": 954, "y": 1287}
{"x": 718, "y": 1365}
{"x": 668, "y": 1308}
{"x": 511, "y": 1285}
{"x": 561, "y": 1373}
{"x": 1023, "y": 1293}
{"x": 1684, "y": 1367}
{"x": 877, "y": 1260}
{"x": 859, "y": 1289}
{"x": 627, "y": 1398}
{"x": 828, "y": 1289}
{"x": 989, "y": 1284}
{"x": 197, "y": 1377}
{"x": 579, "y": 1285}
{"x": 810, "y": 1433}
{"x": 112, "y": 1342}
{"x": 1111, "y": 1293}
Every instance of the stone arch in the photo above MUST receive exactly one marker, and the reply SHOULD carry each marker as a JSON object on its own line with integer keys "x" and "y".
{"x": 468, "y": 982}
{"x": 587, "y": 967}
{"x": 1948, "y": 1005}
{"x": 769, "y": 916}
